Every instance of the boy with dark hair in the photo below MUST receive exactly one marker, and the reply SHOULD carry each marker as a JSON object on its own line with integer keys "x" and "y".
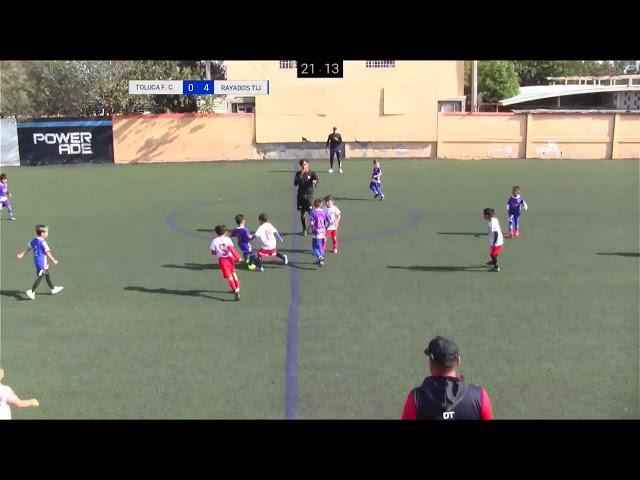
{"x": 222, "y": 247}
{"x": 41, "y": 255}
{"x": 244, "y": 236}
{"x": 267, "y": 233}
{"x": 495, "y": 238}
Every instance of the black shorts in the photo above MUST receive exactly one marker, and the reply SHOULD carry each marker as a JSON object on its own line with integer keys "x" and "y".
{"x": 305, "y": 202}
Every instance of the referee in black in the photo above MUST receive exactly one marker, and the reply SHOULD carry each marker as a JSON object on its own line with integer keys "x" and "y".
{"x": 306, "y": 181}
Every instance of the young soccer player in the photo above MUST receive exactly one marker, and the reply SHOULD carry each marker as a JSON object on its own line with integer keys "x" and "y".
{"x": 376, "y": 180}
{"x": 41, "y": 255}
{"x": 334, "y": 216}
{"x": 319, "y": 222}
{"x": 243, "y": 235}
{"x": 515, "y": 204}
{"x": 222, "y": 247}
{"x": 495, "y": 238}
{"x": 8, "y": 399}
{"x": 267, "y": 234}
{"x": 4, "y": 196}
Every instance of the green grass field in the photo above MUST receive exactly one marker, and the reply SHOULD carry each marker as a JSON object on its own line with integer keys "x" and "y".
{"x": 145, "y": 327}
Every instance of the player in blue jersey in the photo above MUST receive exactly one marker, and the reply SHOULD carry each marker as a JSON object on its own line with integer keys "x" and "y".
{"x": 244, "y": 236}
{"x": 4, "y": 196}
{"x": 515, "y": 205}
{"x": 319, "y": 224}
{"x": 376, "y": 180}
{"x": 41, "y": 256}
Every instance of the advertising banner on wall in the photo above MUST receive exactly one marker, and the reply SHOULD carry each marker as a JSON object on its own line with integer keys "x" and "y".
{"x": 52, "y": 141}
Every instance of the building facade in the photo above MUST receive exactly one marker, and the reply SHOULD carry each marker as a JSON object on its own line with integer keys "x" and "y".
{"x": 377, "y": 105}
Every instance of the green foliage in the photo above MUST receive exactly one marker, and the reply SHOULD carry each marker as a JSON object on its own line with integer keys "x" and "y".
{"x": 94, "y": 87}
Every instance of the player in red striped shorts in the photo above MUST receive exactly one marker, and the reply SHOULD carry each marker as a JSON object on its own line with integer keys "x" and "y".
{"x": 222, "y": 247}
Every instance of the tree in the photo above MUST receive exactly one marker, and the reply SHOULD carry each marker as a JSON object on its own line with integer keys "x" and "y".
{"x": 13, "y": 95}
{"x": 94, "y": 87}
{"x": 497, "y": 80}
{"x": 536, "y": 72}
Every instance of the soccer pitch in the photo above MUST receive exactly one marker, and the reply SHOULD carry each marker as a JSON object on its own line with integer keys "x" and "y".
{"x": 146, "y": 327}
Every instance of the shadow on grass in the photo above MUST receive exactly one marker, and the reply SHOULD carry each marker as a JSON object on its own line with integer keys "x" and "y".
{"x": 195, "y": 266}
{"x": 475, "y": 234}
{"x": 183, "y": 293}
{"x": 208, "y": 230}
{"x": 295, "y": 250}
{"x": 439, "y": 268}
{"x": 350, "y": 199}
{"x": 17, "y": 294}
{"x": 620, "y": 254}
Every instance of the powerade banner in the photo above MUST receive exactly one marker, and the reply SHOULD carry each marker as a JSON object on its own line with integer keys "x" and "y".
{"x": 52, "y": 141}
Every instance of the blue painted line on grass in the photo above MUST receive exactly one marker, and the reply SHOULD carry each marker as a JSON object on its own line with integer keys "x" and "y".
{"x": 291, "y": 362}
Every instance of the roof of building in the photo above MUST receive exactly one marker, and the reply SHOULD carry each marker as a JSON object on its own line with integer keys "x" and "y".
{"x": 538, "y": 92}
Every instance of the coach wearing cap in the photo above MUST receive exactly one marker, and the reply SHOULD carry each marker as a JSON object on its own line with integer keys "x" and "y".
{"x": 445, "y": 395}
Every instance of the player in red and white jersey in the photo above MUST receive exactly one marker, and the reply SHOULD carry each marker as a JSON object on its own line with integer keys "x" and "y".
{"x": 222, "y": 247}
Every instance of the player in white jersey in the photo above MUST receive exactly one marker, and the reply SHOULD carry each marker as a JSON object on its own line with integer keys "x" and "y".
{"x": 334, "y": 215}
{"x": 496, "y": 239}
{"x": 267, "y": 234}
{"x": 8, "y": 399}
{"x": 222, "y": 247}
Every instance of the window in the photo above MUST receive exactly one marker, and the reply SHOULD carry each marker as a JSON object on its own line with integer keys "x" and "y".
{"x": 287, "y": 64}
{"x": 242, "y": 107}
{"x": 381, "y": 64}
{"x": 450, "y": 106}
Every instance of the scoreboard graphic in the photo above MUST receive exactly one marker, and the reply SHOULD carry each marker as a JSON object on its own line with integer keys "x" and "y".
{"x": 248, "y": 88}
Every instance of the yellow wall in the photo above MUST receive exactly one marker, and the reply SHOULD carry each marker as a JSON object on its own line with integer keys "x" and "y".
{"x": 387, "y": 104}
{"x": 626, "y": 136}
{"x": 552, "y": 135}
{"x": 481, "y": 135}
{"x": 570, "y": 135}
{"x": 183, "y": 138}
{"x": 190, "y": 138}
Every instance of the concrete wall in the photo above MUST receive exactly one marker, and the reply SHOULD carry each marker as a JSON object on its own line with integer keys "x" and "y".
{"x": 481, "y": 135}
{"x": 587, "y": 136}
{"x": 189, "y": 138}
{"x": 397, "y": 104}
{"x": 9, "y": 153}
{"x": 626, "y": 142}
{"x": 549, "y": 135}
{"x": 184, "y": 138}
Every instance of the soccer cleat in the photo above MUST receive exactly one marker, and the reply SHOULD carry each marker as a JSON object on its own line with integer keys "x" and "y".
{"x": 31, "y": 294}
{"x": 236, "y": 294}
{"x": 285, "y": 260}
{"x": 517, "y": 233}
{"x": 260, "y": 269}
{"x": 331, "y": 170}
{"x": 304, "y": 233}
{"x": 55, "y": 290}
{"x": 335, "y": 250}
{"x": 321, "y": 262}
{"x": 381, "y": 197}
{"x": 375, "y": 196}
{"x": 12, "y": 218}
{"x": 341, "y": 171}
{"x": 495, "y": 269}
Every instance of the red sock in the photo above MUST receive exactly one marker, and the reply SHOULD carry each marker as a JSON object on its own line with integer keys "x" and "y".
{"x": 232, "y": 284}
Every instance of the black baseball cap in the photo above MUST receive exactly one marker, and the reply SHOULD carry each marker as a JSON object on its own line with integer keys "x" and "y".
{"x": 442, "y": 351}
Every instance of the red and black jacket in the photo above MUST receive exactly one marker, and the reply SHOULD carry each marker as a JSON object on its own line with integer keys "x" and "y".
{"x": 447, "y": 398}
